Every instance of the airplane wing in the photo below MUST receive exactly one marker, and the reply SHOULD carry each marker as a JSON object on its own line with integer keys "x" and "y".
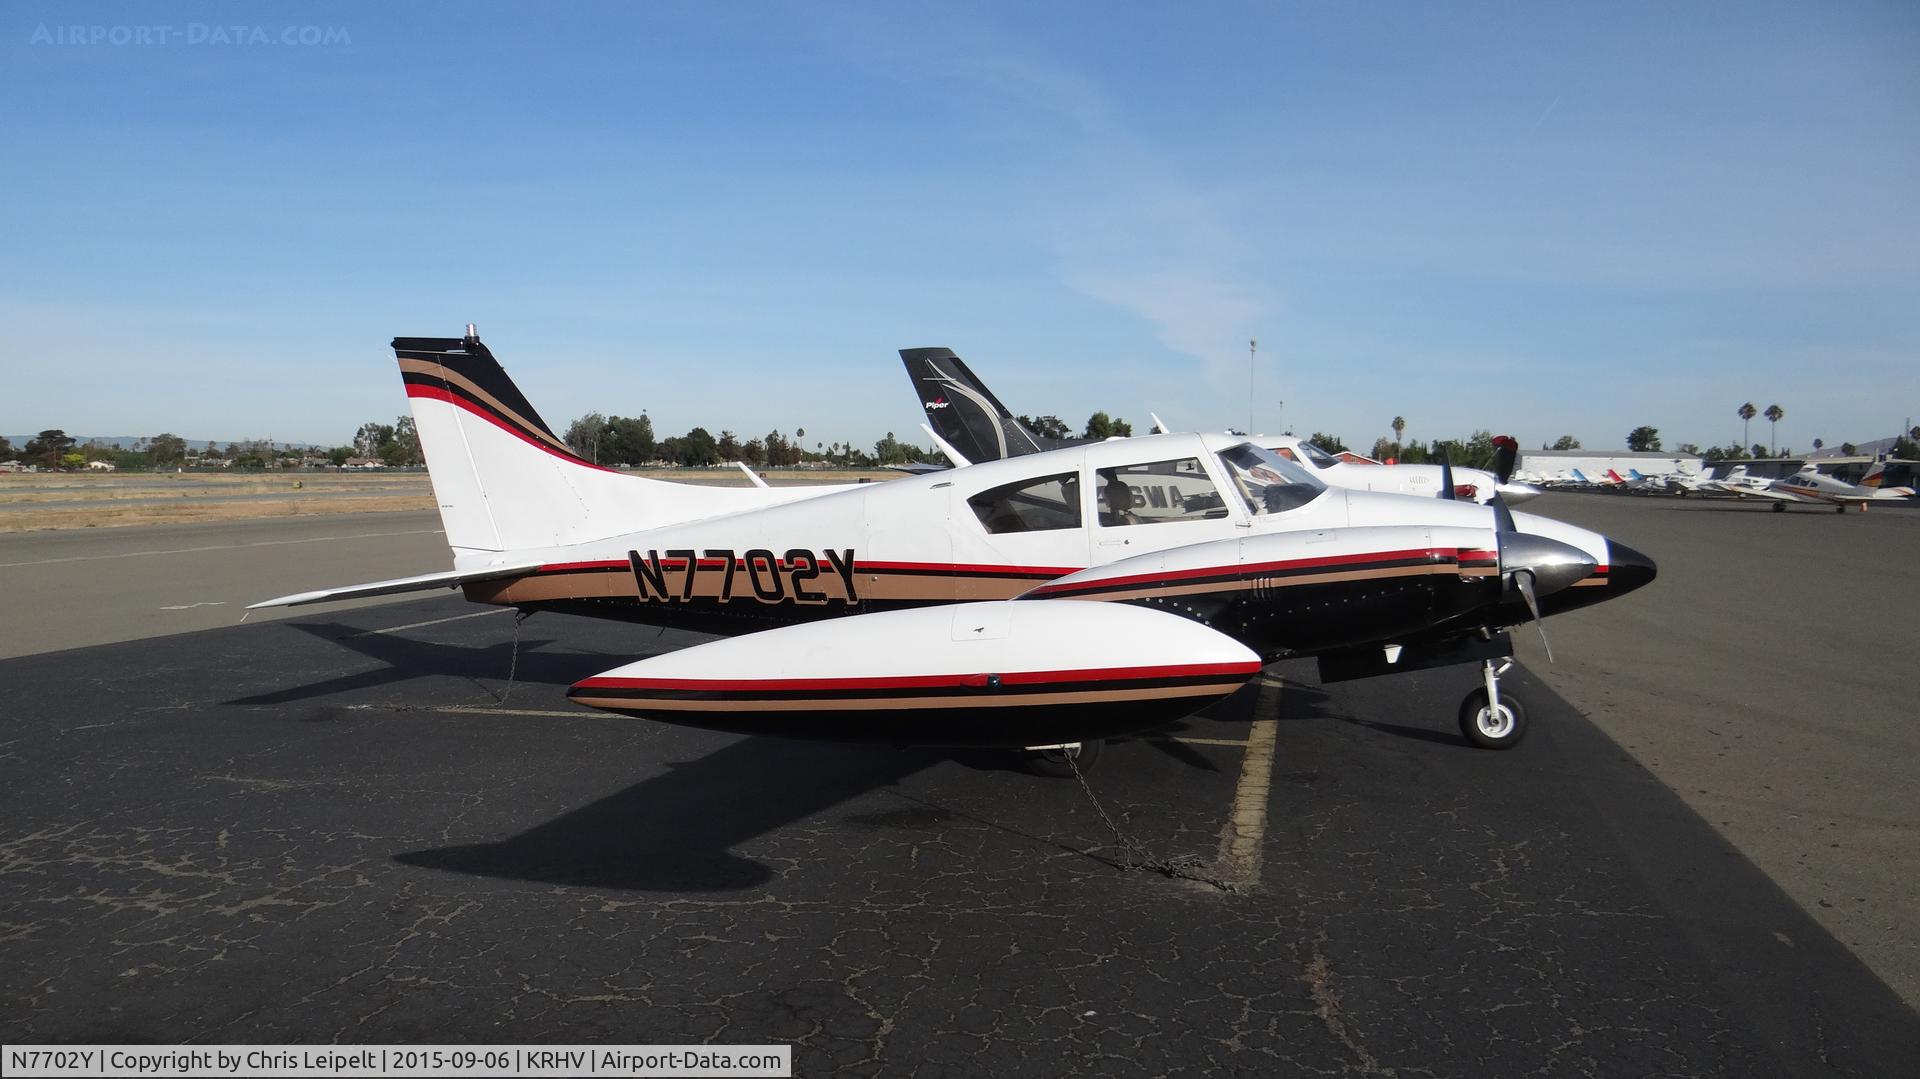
{"x": 423, "y": 583}
{"x": 1005, "y": 673}
{"x": 1779, "y": 495}
{"x": 1851, "y": 500}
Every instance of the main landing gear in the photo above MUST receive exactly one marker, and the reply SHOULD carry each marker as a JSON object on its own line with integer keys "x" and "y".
{"x": 1489, "y": 718}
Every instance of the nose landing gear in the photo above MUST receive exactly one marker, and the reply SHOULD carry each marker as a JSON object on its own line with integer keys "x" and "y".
{"x": 1489, "y": 718}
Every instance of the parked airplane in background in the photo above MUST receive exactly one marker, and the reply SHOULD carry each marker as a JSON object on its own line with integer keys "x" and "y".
{"x": 1640, "y": 482}
{"x": 1736, "y": 483}
{"x": 966, "y": 417}
{"x": 1472, "y": 484}
{"x": 1811, "y": 486}
{"x": 1536, "y": 478}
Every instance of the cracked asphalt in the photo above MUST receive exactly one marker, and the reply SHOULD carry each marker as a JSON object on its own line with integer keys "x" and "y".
{"x": 307, "y": 830}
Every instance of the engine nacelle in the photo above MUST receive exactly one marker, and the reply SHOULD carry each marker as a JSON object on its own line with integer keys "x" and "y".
{"x": 1004, "y": 673}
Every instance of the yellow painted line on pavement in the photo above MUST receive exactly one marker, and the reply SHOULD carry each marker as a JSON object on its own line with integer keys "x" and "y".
{"x": 1243, "y": 834}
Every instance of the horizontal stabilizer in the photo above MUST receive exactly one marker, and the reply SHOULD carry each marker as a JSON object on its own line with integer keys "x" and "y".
{"x": 423, "y": 583}
{"x": 752, "y": 476}
{"x": 959, "y": 459}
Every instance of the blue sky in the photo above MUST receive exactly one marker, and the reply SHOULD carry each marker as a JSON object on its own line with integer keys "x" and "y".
{"x": 1541, "y": 219}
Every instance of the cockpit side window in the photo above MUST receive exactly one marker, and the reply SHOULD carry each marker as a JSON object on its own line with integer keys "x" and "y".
{"x": 1031, "y": 505}
{"x": 1157, "y": 492}
{"x": 1267, "y": 482}
{"x": 1317, "y": 457}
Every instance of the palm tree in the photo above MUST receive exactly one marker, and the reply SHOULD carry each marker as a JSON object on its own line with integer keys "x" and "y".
{"x": 1747, "y": 413}
{"x": 1399, "y": 425}
{"x": 1774, "y": 414}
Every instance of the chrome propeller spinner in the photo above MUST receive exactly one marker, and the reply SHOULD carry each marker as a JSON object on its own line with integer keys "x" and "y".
{"x": 1529, "y": 565}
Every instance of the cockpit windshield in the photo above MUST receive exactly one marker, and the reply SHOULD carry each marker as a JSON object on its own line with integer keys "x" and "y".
{"x": 1317, "y": 457}
{"x": 1268, "y": 482}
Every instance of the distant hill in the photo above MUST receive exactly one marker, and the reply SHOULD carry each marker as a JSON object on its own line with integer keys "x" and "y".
{"x": 1861, "y": 449}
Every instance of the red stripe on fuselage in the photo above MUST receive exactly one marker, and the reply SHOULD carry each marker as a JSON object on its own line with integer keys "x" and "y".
{"x": 1369, "y": 558}
{"x": 963, "y": 567}
{"x": 860, "y": 567}
{"x": 435, "y": 393}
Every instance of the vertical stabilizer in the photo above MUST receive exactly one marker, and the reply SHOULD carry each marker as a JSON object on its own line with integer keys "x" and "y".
{"x": 964, "y": 412}
{"x": 505, "y": 482}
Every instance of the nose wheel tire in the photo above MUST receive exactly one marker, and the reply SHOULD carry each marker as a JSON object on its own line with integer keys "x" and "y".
{"x": 1053, "y": 763}
{"x": 1499, "y": 727}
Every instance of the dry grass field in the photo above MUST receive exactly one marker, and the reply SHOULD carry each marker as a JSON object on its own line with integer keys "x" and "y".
{"x": 35, "y": 501}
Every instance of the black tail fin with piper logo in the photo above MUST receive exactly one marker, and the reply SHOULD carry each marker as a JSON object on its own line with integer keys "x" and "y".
{"x": 965, "y": 413}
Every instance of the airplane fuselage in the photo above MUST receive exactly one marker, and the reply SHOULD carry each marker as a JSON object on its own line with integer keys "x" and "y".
{"x": 1292, "y": 581}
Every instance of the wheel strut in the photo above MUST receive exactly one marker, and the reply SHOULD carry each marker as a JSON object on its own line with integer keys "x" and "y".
{"x": 1492, "y": 675}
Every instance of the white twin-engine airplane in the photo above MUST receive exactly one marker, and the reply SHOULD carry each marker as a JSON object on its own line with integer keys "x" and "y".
{"x": 1812, "y": 486}
{"x": 1040, "y": 601}
{"x": 972, "y": 426}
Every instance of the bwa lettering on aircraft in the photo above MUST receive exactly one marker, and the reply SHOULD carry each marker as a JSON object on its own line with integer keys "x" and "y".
{"x": 1047, "y": 598}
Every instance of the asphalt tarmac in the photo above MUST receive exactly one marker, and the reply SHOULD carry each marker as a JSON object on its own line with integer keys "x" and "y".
{"x": 317, "y": 829}
{"x": 1770, "y": 678}
{"x": 77, "y": 587}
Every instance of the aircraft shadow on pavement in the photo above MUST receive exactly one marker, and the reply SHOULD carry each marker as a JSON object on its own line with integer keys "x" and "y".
{"x": 675, "y": 832}
{"x": 1357, "y": 703}
{"x": 404, "y": 660}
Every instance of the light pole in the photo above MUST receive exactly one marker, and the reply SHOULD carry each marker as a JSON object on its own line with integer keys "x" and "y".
{"x": 1252, "y": 345}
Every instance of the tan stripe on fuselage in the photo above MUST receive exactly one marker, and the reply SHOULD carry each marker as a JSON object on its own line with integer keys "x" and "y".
{"x": 708, "y": 584}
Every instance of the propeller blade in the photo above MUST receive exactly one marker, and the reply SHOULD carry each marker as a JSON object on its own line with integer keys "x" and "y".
{"x": 1502, "y": 516}
{"x": 1446, "y": 476}
{"x": 1505, "y": 452}
{"x": 1523, "y": 579}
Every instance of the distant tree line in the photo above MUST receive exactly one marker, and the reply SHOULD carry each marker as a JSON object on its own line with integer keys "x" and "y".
{"x": 394, "y": 445}
{"x": 630, "y": 441}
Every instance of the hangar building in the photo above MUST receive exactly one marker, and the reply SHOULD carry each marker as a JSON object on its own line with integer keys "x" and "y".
{"x": 1596, "y": 462}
